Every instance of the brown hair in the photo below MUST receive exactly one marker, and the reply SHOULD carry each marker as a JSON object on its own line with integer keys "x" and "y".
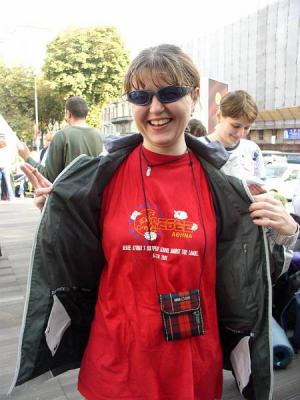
{"x": 77, "y": 107}
{"x": 239, "y": 104}
{"x": 196, "y": 128}
{"x": 167, "y": 62}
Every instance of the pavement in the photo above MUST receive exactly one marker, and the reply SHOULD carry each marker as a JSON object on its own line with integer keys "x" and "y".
{"x": 18, "y": 223}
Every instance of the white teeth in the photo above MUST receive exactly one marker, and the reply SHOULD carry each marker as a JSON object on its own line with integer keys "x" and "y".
{"x": 159, "y": 122}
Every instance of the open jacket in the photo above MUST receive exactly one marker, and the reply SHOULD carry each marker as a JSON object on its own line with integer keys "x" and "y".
{"x": 67, "y": 260}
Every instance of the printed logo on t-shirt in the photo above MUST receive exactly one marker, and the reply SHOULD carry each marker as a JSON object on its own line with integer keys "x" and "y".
{"x": 152, "y": 225}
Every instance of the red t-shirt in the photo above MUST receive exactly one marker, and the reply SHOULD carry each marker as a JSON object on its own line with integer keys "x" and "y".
{"x": 127, "y": 356}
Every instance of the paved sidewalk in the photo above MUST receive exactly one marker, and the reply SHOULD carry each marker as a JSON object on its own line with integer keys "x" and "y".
{"x": 18, "y": 222}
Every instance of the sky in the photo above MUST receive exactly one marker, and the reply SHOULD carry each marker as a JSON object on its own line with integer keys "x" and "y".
{"x": 26, "y": 26}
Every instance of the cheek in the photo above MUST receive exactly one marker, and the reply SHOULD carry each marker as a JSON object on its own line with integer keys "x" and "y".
{"x": 229, "y": 129}
{"x": 183, "y": 110}
{"x": 138, "y": 114}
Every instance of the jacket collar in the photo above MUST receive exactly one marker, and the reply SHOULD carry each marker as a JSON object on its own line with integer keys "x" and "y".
{"x": 213, "y": 152}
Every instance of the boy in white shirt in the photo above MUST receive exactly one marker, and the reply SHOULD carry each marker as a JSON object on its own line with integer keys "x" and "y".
{"x": 236, "y": 114}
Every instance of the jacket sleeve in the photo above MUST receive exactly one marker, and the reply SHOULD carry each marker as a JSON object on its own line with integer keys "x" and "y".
{"x": 281, "y": 252}
{"x": 55, "y": 161}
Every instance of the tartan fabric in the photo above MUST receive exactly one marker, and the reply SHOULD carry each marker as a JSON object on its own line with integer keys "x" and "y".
{"x": 181, "y": 314}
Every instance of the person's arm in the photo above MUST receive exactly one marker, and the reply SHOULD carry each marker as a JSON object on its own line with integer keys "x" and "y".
{"x": 54, "y": 163}
{"x": 282, "y": 233}
{"x": 55, "y": 160}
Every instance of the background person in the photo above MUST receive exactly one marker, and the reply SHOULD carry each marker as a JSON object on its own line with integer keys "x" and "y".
{"x": 161, "y": 227}
{"x": 7, "y": 157}
{"x": 237, "y": 111}
{"x": 68, "y": 143}
{"x": 44, "y": 152}
{"x": 196, "y": 128}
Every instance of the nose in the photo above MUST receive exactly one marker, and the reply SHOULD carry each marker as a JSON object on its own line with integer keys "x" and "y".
{"x": 156, "y": 106}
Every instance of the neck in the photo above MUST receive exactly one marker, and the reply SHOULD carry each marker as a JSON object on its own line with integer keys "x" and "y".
{"x": 78, "y": 122}
{"x": 172, "y": 150}
{"x": 214, "y": 136}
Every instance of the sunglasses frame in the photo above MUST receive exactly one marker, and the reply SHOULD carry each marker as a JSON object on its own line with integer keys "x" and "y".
{"x": 183, "y": 91}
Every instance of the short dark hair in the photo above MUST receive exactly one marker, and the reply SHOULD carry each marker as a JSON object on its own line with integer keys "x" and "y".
{"x": 239, "y": 104}
{"x": 196, "y": 128}
{"x": 77, "y": 107}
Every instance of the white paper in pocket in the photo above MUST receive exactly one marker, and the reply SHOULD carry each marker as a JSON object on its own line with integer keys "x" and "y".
{"x": 241, "y": 363}
{"x": 58, "y": 323}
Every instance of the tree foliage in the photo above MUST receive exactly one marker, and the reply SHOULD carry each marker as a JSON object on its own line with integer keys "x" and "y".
{"x": 17, "y": 98}
{"x": 87, "y": 62}
{"x": 50, "y": 106}
{"x": 17, "y": 101}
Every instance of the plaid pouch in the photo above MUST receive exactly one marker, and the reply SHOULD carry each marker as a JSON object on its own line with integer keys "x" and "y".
{"x": 181, "y": 314}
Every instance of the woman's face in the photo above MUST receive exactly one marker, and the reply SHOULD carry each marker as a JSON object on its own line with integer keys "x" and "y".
{"x": 162, "y": 125}
{"x": 231, "y": 130}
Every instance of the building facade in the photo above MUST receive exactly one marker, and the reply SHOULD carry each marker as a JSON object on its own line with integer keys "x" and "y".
{"x": 260, "y": 54}
{"x": 117, "y": 119}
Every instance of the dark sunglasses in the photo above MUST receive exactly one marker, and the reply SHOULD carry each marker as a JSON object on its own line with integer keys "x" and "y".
{"x": 168, "y": 94}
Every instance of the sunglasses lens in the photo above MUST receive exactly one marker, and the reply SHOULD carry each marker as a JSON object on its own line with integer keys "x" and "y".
{"x": 167, "y": 94}
{"x": 139, "y": 97}
{"x": 171, "y": 94}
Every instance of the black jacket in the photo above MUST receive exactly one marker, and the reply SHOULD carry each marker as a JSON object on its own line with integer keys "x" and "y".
{"x": 67, "y": 259}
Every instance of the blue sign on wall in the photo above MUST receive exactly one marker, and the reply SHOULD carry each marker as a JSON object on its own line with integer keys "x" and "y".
{"x": 291, "y": 134}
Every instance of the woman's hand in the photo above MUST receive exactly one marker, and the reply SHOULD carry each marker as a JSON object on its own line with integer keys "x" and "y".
{"x": 23, "y": 150}
{"x": 41, "y": 185}
{"x": 269, "y": 212}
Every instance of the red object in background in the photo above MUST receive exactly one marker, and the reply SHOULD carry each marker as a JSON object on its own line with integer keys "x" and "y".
{"x": 216, "y": 90}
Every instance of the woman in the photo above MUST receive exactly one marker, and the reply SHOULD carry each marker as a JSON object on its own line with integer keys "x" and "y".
{"x": 164, "y": 228}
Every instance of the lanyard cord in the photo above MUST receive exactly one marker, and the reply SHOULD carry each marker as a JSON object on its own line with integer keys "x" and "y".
{"x": 148, "y": 219}
{"x": 200, "y": 214}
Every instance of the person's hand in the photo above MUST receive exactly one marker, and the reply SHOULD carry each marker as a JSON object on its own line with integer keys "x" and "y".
{"x": 269, "y": 212}
{"x": 23, "y": 150}
{"x": 41, "y": 185}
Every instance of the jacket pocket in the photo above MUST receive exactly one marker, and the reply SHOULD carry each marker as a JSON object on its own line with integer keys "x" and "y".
{"x": 58, "y": 323}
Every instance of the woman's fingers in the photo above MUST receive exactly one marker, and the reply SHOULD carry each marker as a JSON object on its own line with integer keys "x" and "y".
{"x": 269, "y": 212}
{"x": 35, "y": 177}
{"x": 40, "y": 196}
{"x": 41, "y": 185}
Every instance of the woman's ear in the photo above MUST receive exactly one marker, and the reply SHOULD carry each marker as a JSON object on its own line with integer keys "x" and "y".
{"x": 195, "y": 95}
{"x": 218, "y": 116}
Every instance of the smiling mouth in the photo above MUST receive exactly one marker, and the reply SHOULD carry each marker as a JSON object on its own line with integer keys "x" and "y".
{"x": 160, "y": 122}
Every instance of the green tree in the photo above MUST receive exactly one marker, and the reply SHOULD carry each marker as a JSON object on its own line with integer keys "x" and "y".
{"x": 17, "y": 99}
{"x": 51, "y": 107}
{"x": 87, "y": 62}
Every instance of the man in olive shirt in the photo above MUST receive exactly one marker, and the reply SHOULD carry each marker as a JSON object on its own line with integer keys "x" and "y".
{"x": 68, "y": 143}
